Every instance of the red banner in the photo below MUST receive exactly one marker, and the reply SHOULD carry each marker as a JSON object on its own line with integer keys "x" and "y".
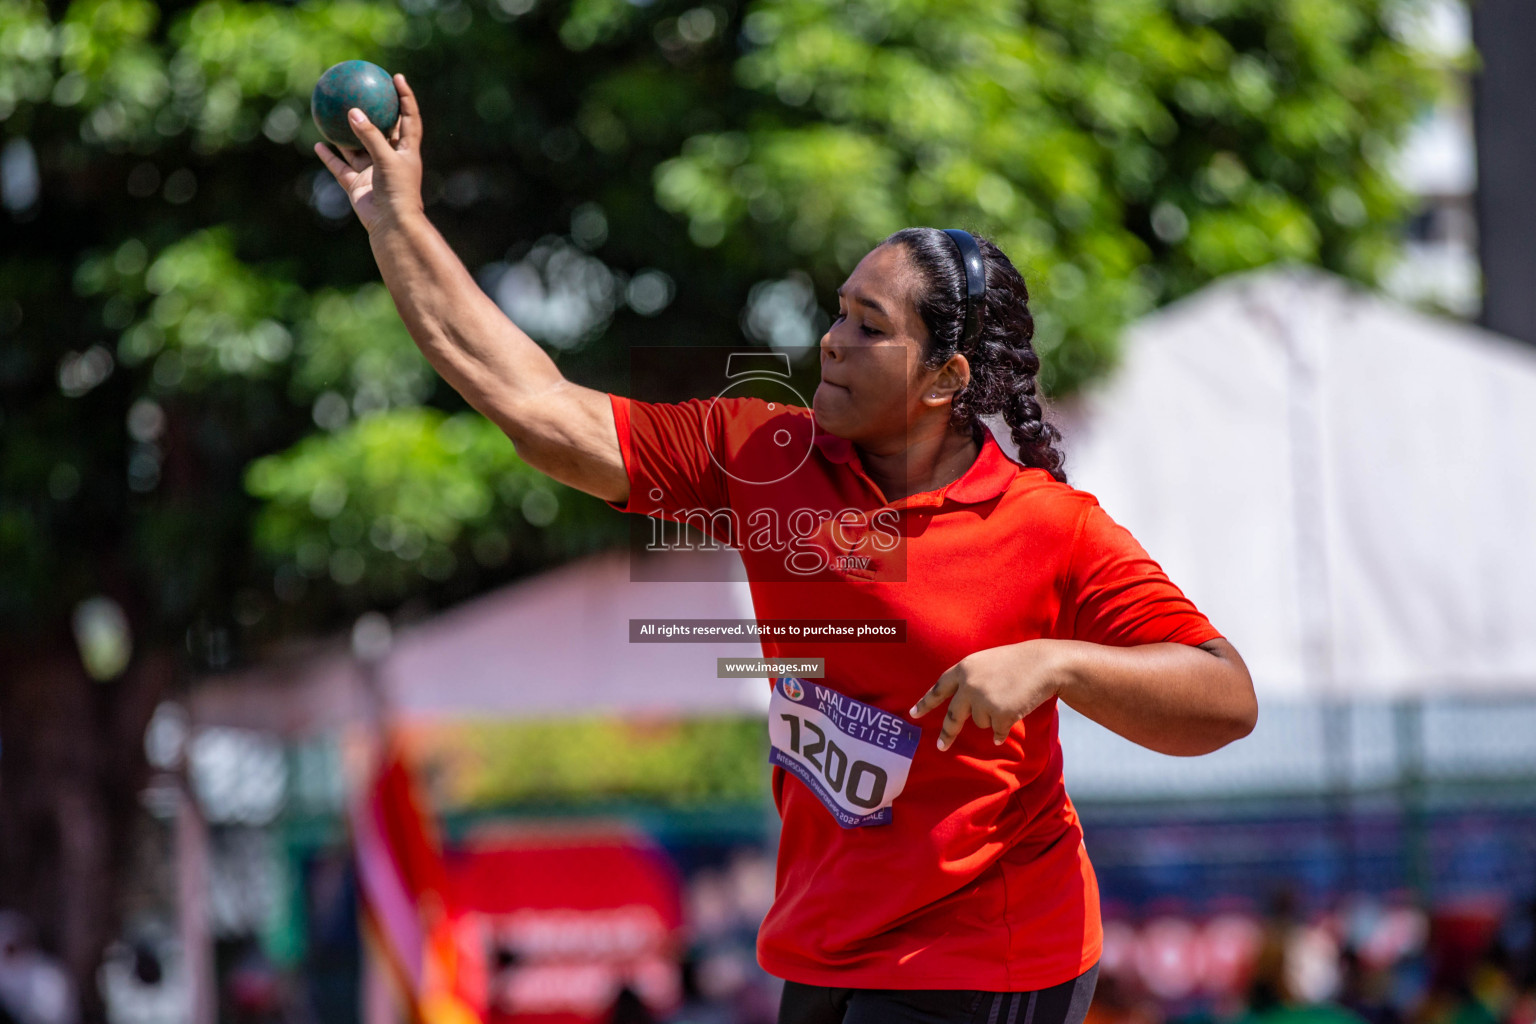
{"x": 555, "y": 924}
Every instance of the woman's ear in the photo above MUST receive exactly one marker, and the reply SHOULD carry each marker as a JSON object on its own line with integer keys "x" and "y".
{"x": 952, "y": 377}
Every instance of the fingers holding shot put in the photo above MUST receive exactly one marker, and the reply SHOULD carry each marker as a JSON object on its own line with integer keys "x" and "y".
{"x": 408, "y": 127}
{"x": 374, "y": 122}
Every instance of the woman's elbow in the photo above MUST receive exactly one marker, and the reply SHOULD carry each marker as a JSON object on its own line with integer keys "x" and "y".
{"x": 1215, "y": 732}
{"x": 1239, "y": 717}
{"x": 1244, "y": 719}
{"x": 1238, "y": 713}
{"x": 1221, "y": 723}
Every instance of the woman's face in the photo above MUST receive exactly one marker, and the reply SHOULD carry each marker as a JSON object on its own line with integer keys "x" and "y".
{"x": 874, "y": 388}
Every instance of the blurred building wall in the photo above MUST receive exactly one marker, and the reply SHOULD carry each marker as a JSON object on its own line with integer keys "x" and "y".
{"x": 1504, "y": 32}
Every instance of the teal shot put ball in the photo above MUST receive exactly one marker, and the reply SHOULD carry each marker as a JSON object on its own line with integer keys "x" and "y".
{"x": 353, "y": 83}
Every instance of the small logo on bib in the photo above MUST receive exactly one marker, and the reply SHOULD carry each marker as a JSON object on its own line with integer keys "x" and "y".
{"x": 853, "y": 756}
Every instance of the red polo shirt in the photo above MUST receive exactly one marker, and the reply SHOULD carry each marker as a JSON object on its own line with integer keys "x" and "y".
{"x": 979, "y": 880}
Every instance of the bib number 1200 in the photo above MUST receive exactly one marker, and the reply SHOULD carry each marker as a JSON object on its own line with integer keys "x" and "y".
{"x": 853, "y": 756}
{"x": 866, "y": 782}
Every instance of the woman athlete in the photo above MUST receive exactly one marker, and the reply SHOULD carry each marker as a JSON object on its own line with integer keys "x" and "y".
{"x": 927, "y": 872}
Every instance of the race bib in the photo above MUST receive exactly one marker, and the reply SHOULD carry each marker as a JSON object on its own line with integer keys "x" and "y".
{"x": 852, "y": 755}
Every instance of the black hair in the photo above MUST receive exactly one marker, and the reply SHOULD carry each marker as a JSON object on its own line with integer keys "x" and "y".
{"x": 1004, "y": 364}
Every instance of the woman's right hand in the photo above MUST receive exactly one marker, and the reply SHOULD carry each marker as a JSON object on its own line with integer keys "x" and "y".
{"x": 383, "y": 179}
{"x": 559, "y": 428}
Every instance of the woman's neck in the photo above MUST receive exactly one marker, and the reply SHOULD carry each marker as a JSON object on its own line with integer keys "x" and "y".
{"x": 927, "y": 463}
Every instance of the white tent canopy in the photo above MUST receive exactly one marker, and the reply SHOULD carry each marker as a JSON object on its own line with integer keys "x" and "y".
{"x": 559, "y": 644}
{"x": 1346, "y": 487}
{"x": 554, "y": 645}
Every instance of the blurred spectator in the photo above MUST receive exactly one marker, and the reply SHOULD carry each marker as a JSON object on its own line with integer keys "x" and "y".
{"x": 629, "y": 1008}
{"x": 1470, "y": 983}
{"x": 1367, "y": 990}
{"x": 1290, "y": 982}
{"x": 33, "y": 986}
{"x": 723, "y": 983}
{"x": 1520, "y": 939}
{"x": 253, "y": 989}
{"x": 1270, "y": 986}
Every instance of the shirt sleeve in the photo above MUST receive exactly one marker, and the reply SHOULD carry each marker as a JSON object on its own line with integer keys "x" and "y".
{"x": 1115, "y": 594}
{"x": 667, "y": 457}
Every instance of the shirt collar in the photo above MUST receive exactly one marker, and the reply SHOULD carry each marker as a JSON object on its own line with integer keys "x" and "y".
{"x": 987, "y": 477}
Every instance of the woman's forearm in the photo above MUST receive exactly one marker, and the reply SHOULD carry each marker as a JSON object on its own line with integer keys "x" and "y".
{"x": 1172, "y": 698}
{"x": 465, "y": 336}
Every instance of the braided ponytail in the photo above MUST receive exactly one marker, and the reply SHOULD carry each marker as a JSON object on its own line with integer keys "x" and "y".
{"x": 1004, "y": 364}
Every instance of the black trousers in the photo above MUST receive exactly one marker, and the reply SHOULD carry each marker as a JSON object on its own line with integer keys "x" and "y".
{"x": 1066, "y": 1003}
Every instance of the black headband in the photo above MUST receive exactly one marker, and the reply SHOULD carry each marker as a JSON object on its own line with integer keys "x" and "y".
{"x": 975, "y": 280}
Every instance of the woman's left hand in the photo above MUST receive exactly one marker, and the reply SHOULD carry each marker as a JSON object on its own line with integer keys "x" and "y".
{"x": 997, "y": 687}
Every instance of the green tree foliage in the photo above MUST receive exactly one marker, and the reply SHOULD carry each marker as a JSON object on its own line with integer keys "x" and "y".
{"x": 708, "y": 761}
{"x": 191, "y": 297}
{"x": 1122, "y": 151}
{"x": 412, "y": 489}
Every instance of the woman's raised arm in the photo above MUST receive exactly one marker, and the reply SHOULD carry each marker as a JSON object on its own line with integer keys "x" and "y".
{"x": 558, "y": 427}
